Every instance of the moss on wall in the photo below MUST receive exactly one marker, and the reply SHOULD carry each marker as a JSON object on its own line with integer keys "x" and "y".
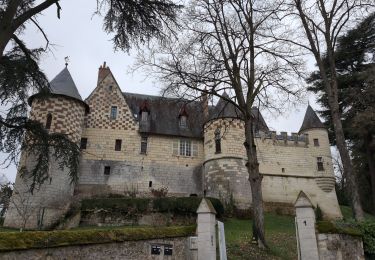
{"x": 10, "y": 241}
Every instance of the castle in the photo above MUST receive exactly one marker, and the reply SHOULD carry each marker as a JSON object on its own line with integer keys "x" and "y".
{"x": 132, "y": 143}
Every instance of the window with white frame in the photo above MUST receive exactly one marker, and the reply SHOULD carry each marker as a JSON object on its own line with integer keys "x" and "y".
{"x": 185, "y": 147}
{"x": 183, "y": 121}
{"x": 144, "y": 116}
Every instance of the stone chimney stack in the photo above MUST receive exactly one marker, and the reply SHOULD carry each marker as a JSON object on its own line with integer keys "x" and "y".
{"x": 103, "y": 72}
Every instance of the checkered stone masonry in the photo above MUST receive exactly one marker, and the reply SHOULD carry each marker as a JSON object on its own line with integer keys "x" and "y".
{"x": 67, "y": 115}
{"x": 106, "y": 95}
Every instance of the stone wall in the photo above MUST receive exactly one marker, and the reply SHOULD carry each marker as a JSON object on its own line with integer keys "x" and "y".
{"x": 340, "y": 247}
{"x": 286, "y": 164}
{"x": 130, "y": 250}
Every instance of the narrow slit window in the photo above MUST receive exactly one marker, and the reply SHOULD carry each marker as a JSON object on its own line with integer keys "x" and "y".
{"x": 107, "y": 170}
{"x": 150, "y": 184}
{"x": 217, "y": 141}
{"x": 83, "y": 143}
{"x": 118, "y": 145}
{"x": 113, "y": 112}
{"x": 49, "y": 121}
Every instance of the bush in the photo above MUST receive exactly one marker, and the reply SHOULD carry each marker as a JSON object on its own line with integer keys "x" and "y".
{"x": 118, "y": 204}
{"x": 1, "y": 221}
{"x": 318, "y": 213}
{"x": 180, "y": 205}
{"x": 367, "y": 229}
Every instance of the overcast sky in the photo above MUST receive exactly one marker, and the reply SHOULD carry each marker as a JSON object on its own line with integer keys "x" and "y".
{"x": 79, "y": 34}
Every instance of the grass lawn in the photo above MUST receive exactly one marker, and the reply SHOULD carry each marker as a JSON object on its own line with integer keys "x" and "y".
{"x": 280, "y": 236}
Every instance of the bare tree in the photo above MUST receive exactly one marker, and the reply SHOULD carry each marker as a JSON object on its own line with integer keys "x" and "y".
{"x": 230, "y": 47}
{"x": 323, "y": 22}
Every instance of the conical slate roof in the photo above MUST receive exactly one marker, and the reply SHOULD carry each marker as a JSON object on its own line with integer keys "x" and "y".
{"x": 63, "y": 84}
{"x": 311, "y": 120}
{"x": 225, "y": 109}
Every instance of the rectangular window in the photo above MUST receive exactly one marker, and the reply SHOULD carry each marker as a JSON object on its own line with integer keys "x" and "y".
{"x": 316, "y": 142}
{"x": 320, "y": 163}
{"x": 143, "y": 144}
{"x": 118, "y": 145}
{"x": 83, "y": 143}
{"x": 107, "y": 170}
{"x": 185, "y": 147}
{"x": 113, "y": 112}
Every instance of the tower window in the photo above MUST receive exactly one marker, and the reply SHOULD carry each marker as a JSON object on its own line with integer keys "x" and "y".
{"x": 185, "y": 147}
{"x": 283, "y": 170}
{"x": 143, "y": 144}
{"x": 107, "y": 170}
{"x": 144, "y": 116}
{"x": 183, "y": 121}
{"x": 150, "y": 184}
{"x": 319, "y": 161}
{"x": 83, "y": 143}
{"x": 217, "y": 141}
{"x": 49, "y": 121}
{"x": 118, "y": 145}
{"x": 316, "y": 142}
{"x": 113, "y": 112}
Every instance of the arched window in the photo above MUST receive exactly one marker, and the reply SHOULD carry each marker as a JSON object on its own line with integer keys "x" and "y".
{"x": 49, "y": 121}
{"x": 217, "y": 140}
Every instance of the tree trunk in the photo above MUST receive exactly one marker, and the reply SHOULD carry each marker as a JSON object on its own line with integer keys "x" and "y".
{"x": 255, "y": 180}
{"x": 343, "y": 150}
{"x": 371, "y": 165}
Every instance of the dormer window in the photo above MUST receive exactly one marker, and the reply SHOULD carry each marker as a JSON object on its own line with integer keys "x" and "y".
{"x": 183, "y": 117}
{"x": 183, "y": 121}
{"x": 144, "y": 116}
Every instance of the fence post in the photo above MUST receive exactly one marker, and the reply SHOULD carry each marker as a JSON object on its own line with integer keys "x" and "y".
{"x": 206, "y": 222}
{"x": 305, "y": 228}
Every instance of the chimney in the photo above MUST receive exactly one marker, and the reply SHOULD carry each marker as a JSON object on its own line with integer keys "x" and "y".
{"x": 103, "y": 72}
{"x": 205, "y": 104}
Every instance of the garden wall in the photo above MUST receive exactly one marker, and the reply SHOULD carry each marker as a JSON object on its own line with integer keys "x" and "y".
{"x": 340, "y": 246}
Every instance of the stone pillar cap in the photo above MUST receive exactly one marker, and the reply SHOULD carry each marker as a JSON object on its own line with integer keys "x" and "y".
{"x": 206, "y": 207}
{"x": 303, "y": 201}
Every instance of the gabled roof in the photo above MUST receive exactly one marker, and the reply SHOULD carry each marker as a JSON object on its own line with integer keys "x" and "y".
{"x": 63, "y": 84}
{"x": 311, "y": 120}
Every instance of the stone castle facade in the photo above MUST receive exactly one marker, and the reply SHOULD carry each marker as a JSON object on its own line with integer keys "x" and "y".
{"x": 133, "y": 143}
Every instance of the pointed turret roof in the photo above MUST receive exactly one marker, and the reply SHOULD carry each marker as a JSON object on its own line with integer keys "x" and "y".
{"x": 311, "y": 120}
{"x": 224, "y": 108}
{"x": 63, "y": 84}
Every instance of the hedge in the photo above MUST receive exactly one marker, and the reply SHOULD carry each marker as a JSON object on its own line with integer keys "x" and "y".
{"x": 10, "y": 241}
{"x": 177, "y": 205}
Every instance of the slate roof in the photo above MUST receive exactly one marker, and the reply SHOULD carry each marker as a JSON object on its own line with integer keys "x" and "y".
{"x": 311, "y": 120}
{"x": 63, "y": 84}
{"x": 164, "y": 114}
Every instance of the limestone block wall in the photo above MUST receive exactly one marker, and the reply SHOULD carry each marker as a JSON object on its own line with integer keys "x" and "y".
{"x": 340, "y": 247}
{"x": 129, "y": 169}
{"x": 48, "y": 202}
{"x": 131, "y": 250}
{"x": 228, "y": 177}
{"x": 287, "y": 165}
{"x": 67, "y": 115}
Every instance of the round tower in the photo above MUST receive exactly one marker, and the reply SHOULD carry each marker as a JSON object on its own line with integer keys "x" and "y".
{"x": 62, "y": 112}
{"x": 321, "y": 161}
{"x": 225, "y": 173}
